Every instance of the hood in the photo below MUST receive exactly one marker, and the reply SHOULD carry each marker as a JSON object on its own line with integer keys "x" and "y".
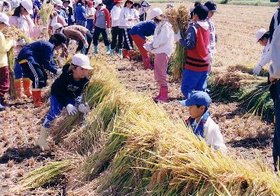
{"x": 203, "y": 24}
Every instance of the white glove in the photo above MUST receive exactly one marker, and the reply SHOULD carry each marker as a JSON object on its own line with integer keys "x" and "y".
{"x": 58, "y": 71}
{"x": 148, "y": 46}
{"x": 86, "y": 45}
{"x": 84, "y": 108}
{"x": 257, "y": 70}
{"x": 71, "y": 110}
{"x": 177, "y": 36}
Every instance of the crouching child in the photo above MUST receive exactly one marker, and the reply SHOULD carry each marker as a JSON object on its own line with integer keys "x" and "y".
{"x": 66, "y": 91}
{"x": 200, "y": 121}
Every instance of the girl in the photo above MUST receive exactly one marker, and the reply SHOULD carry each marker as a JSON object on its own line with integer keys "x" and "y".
{"x": 116, "y": 32}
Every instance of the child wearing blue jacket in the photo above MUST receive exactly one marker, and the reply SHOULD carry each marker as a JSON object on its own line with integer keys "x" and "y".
{"x": 66, "y": 91}
{"x": 34, "y": 58}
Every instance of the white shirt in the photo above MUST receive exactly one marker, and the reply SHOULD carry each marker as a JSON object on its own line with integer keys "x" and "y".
{"x": 274, "y": 68}
{"x": 266, "y": 55}
{"x": 128, "y": 18}
{"x": 115, "y": 15}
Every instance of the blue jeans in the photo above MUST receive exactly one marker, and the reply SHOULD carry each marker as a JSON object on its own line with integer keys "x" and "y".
{"x": 275, "y": 92}
{"x": 193, "y": 80}
{"x": 54, "y": 111}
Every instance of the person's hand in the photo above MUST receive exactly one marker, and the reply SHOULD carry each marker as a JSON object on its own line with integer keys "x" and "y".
{"x": 86, "y": 45}
{"x": 148, "y": 46}
{"x": 21, "y": 42}
{"x": 257, "y": 70}
{"x": 71, "y": 110}
{"x": 177, "y": 36}
{"x": 84, "y": 108}
{"x": 272, "y": 80}
{"x": 58, "y": 71}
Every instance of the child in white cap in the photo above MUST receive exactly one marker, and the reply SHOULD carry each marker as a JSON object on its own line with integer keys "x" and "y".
{"x": 201, "y": 122}
{"x": 66, "y": 91}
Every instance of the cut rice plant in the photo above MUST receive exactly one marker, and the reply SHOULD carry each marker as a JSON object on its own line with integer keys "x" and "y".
{"x": 179, "y": 20}
{"x": 16, "y": 34}
{"x": 43, "y": 175}
{"x": 11, "y": 62}
{"x": 45, "y": 12}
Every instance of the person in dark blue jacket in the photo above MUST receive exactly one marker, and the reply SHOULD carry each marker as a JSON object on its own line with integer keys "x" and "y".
{"x": 34, "y": 58}
{"x": 138, "y": 33}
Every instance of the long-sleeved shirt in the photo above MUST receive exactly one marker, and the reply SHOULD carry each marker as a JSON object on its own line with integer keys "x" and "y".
{"x": 102, "y": 18}
{"x": 163, "y": 40}
{"x": 40, "y": 53}
{"x": 213, "y": 36}
{"x": 275, "y": 20}
{"x": 80, "y": 12}
{"x": 143, "y": 29}
{"x": 274, "y": 68}
{"x": 76, "y": 32}
{"x": 115, "y": 15}
{"x": 266, "y": 55}
{"x": 5, "y": 47}
{"x": 128, "y": 18}
{"x": 65, "y": 88}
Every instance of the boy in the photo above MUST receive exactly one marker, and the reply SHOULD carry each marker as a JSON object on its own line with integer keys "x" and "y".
{"x": 200, "y": 121}
{"x": 66, "y": 92}
{"x": 196, "y": 46}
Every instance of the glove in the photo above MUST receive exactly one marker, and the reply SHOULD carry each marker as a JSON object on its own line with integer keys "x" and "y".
{"x": 177, "y": 36}
{"x": 58, "y": 71}
{"x": 71, "y": 110}
{"x": 21, "y": 42}
{"x": 257, "y": 70}
{"x": 148, "y": 47}
{"x": 84, "y": 108}
{"x": 86, "y": 45}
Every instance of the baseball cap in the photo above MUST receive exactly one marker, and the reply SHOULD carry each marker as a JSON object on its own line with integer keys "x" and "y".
{"x": 56, "y": 26}
{"x": 82, "y": 61}
{"x": 201, "y": 11}
{"x": 211, "y": 6}
{"x": 156, "y": 12}
{"x": 28, "y": 5}
{"x": 4, "y": 19}
{"x": 197, "y": 98}
{"x": 260, "y": 33}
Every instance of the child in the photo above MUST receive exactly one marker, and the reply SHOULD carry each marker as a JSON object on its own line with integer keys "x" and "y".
{"x": 102, "y": 21}
{"x": 4, "y": 67}
{"x": 66, "y": 92}
{"x": 34, "y": 58}
{"x": 117, "y": 38}
{"x": 200, "y": 121}
{"x": 138, "y": 33}
{"x": 162, "y": 46}
{"x": 80, "y": 13}
{"x": 196, "y": 46}
{"x": 145, "y": 6}
{"x": 262, "y": 37}
{"x": 212, "y": 7}
{"x": 90, "y": 12}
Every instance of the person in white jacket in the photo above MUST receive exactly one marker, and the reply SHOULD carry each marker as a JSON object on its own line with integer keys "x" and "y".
{"x": 201, "y": 122}
{"x": 162, "y": 46}
{"x": 262, "y": 37}
{"x": 117, "y": 37}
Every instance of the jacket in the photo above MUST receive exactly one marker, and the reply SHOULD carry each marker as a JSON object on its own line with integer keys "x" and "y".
{"x": 5, "y": 47}
{"x": 115, "y": 16}
{"x": 274, "y": 68}
{"x": 80, "y": 12}
{"x": 143, "y": 29}
{"x": 128, "y": 18}
{"x": 163, "y": 40}
{"x": 65, "y": 88}
{"x": 39, "y": 53}
{"x": 266, "y": 55}
{"x": 213, "y": 36}
{"x": 102, "y": 18}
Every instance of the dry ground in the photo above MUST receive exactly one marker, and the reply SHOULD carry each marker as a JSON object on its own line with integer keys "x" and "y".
{"x": 245, "y": 135}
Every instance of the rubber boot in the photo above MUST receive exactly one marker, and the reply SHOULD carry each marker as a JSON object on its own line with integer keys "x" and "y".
{"x": 125, "y": 53}
{"x": 108, "y": 50}
{"x": 27, "y": 87}
{"x": 95, "y": 49}
{"x": 112, "y": 52}
{"x": 120, "y": 53}
{"x": 42, "y": 140}
{"x": 37, "y": 97}
{"x": 163, "y": 96}
{"x": 18, "y": 90}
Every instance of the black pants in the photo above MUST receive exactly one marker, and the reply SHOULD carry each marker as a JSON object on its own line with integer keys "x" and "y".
{"x": 96, "y": 34}
{"x": 36, "y": 73}
{"x": 143, "y": 17}
{"x": 127, "y": 40}
{"x": 81, "y": 44}
{"x": 117, "y": 38}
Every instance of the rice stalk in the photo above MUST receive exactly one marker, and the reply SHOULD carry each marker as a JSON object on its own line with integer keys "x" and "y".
{"x": 45, "y": 12}
{"x": 11, "y": 62}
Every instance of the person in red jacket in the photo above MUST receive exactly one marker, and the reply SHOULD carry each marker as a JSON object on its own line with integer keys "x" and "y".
{"x": 196, "y": 46}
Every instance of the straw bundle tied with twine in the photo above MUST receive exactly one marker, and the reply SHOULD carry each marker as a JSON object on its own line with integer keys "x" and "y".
{"x": 179, "y": 20}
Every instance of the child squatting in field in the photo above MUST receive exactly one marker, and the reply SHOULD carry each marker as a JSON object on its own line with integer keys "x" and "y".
{"x": 201, "y": 122}
{"x": 66, "y": 91}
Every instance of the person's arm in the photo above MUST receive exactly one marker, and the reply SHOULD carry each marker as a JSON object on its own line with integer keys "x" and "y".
{"x": 48, "y": 61}
{"x": 107, "y": 18}
{"x": 190, "y": 41}
{"x": 6, "y": 45}
{"x": 161, "y": 38}
{"x": 75, "y": 34}
{"x": 214, "y": 137}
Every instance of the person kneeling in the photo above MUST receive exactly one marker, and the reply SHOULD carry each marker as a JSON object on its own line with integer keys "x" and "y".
{"x": 66, "y": 91}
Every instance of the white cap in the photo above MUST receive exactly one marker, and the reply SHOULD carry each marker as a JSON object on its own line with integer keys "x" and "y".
{"x": 28, "y": 5}
{"x": 56, "y": 26}
{"x": 59, "y": 3}
{"x": 156, "y": 12}
{"x": 97, "y": 2}
{"x": 4, "y": 18}
{"x": 260, "y": 33}
{"x": 82, "y": 61}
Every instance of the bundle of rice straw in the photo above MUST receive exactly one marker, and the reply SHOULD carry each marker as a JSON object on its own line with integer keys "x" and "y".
{"x": 179, "y": 20}
{"x": 45, "y": 12}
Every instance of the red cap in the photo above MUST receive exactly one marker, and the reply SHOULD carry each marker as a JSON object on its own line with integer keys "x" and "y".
{"x": 118, "y": 1}
{"x": 90, "y": 4}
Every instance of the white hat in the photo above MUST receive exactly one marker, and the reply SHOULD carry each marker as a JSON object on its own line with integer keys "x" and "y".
{"x": 82, "y": 61}
{"x": 156, "y": 12}
{"x": 97, "y": 2}
{"x": 4, "y": 18}
{"x": 59, "y": 3}
{"x": 28, "y": 5}
{"x": 56, "y": 26}
{"x": 260, "y": 33}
